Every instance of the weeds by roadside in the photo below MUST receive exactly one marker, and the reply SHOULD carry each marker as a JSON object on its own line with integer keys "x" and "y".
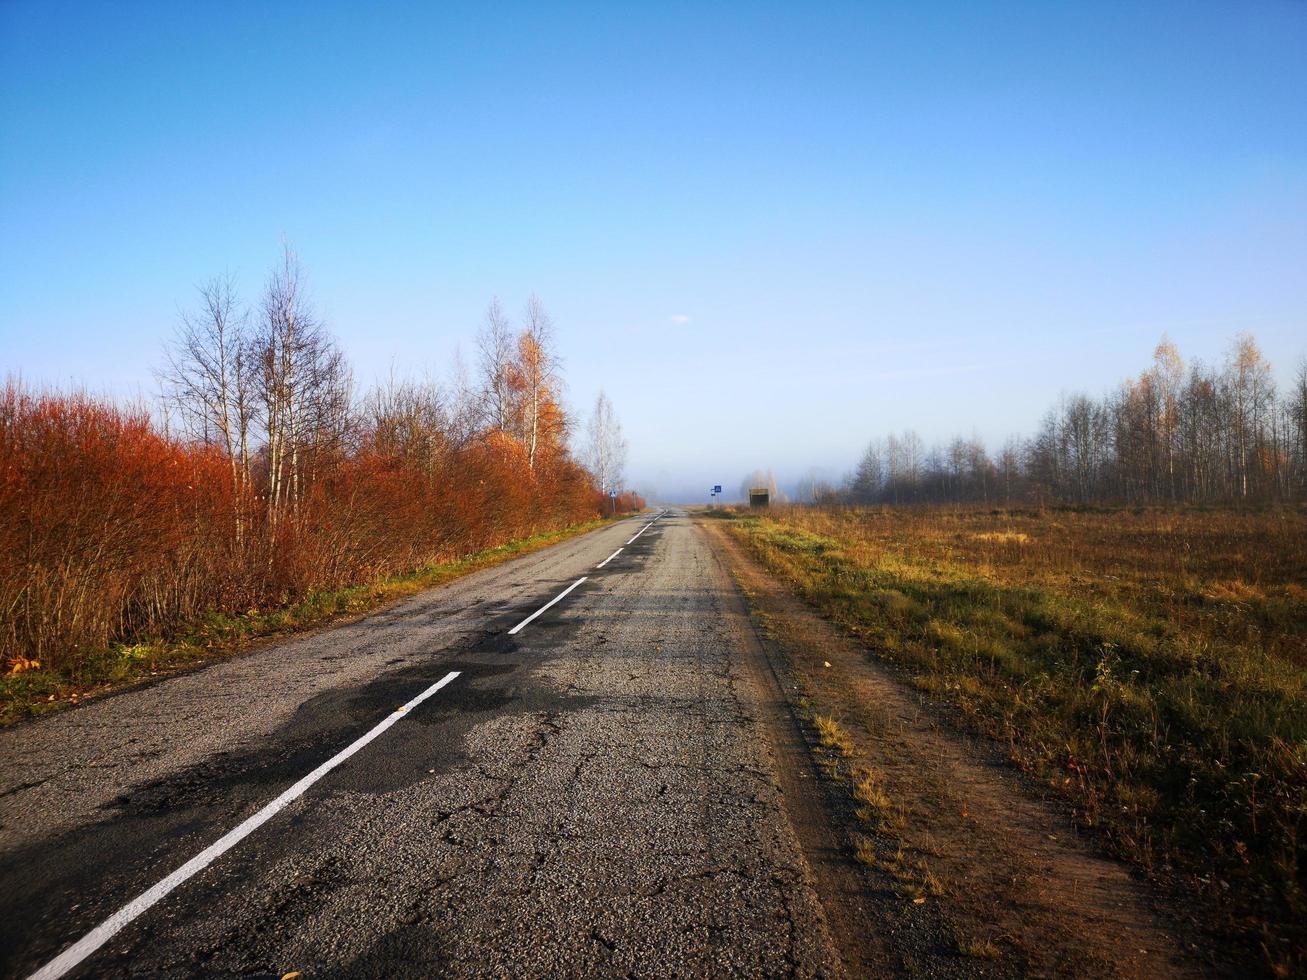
{"x": 977, "y": 948}
{"x": 879, "y": 845}
{"x": 832, "y": 735}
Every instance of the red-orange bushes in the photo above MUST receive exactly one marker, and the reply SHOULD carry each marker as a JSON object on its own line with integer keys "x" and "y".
{"x": 110, "y": 531}
{"x": 367, "y": 517}
{"x": 96, "y": 508}
{"x": 372, "y": 514}
{"x": 496, "y": 502}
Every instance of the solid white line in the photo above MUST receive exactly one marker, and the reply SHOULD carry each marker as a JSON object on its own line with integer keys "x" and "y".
{"x": 609, "y": 558}
{"x": 107, "y": 929}
{"x": 641, "y": 531}
{"x": 546, "y": 605}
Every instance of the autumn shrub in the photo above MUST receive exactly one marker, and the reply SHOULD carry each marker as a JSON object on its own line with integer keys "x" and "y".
{"x": 94, "y": 506}
{"x": 111, "y": 531}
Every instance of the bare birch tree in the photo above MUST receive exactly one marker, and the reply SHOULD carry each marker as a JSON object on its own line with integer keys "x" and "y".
{"x": 606, "y": 447}
{"x": 206, "y": 377}
{"x": 869, "y": 477}
{"x": 1250, "y": 391}
{"x": 538, "y": 365}
{"x": 305, "y": 385}
{"x": 495, "y": 355}
{"x": 1297, "y": 415}
{"x": 464, "y": 403}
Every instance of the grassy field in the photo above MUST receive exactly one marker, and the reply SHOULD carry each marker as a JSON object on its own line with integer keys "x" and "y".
{"x": 28, "y": 692}
{"x": 1150, "y": 665}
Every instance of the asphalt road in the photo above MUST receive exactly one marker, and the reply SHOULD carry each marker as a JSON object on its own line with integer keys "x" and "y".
{"x": 593, "y": 794}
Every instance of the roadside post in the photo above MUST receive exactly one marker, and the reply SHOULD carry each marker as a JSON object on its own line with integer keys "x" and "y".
{"x": 612, "y": 495}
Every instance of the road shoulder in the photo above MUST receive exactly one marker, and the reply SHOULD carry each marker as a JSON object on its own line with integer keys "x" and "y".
{"x": 960, "y": 867}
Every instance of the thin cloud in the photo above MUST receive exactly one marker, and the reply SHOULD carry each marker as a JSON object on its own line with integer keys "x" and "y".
{"x": 679, "y": 318}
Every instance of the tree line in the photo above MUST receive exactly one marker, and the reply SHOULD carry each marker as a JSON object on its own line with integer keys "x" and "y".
{"x": 264, "y": 474}
{"x": 1176, "y": 433}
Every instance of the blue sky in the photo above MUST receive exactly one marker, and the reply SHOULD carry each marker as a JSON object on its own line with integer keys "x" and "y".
{"x": 770, "y": 231}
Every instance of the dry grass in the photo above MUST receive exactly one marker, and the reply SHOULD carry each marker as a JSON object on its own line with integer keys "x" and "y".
{"x": 1149, "y": 664}
{"x": 869, "y": 790}
{"x": 978, "y": 949}
{"x": 913, "y": 877}
{"x": 832, "y": 735}
{"x": 864, "y": 850}
{"x": 1002, "y": 537}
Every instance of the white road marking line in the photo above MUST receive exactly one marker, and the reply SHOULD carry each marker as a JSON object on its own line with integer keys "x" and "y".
{"x": 609, "y": 558}
{"x": 640, "y": 532}
{"x": 106, "y": 930}
{"x": 546, "y": 605}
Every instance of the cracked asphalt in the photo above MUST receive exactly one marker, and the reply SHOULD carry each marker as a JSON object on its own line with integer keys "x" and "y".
{"x": 593, "y": 796}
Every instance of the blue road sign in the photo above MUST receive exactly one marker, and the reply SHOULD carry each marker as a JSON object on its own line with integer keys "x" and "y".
{"x": 612, "y": 493}
{"x": 717, "y": 489}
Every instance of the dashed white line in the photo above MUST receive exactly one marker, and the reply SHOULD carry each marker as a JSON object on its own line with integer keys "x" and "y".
{"x": 546, "y": 605}
{"x": 106, "y": 930}
{"x": 641, "y": 531}
{"x": 609, "y": 558}
{"x": 646, "y": 527}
